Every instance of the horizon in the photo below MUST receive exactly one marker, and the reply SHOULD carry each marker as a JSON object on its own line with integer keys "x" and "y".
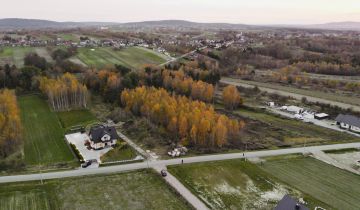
{"x": 257, "y": 12}
{"x": 89, "y": 21}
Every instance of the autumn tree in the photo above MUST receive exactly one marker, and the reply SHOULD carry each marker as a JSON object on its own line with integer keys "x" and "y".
{"x": 65, "y": 92}
{"x": 192, "y": 122}
{"x": 10, "y": 123}
{"x": 231, "y": 97}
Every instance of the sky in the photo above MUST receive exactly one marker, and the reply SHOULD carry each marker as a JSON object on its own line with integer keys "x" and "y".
{"x": 230, "y": 11}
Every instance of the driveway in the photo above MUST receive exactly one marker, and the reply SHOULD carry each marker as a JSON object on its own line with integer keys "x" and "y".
{"x": 78, "y": 139}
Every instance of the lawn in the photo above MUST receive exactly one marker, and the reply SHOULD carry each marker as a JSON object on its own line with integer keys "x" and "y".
{"x": 132, "y": 190}
{"x": 119, "y": 153}
{"x": 134, "y": 57}
{"x": 76, "y": 118}
{"x": 43, "y": 135}
{"x": 234, "y": 184}
{"x": 338, "y": 188}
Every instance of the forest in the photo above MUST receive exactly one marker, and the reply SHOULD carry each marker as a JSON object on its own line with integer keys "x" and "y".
{"x": 191, "y": 122}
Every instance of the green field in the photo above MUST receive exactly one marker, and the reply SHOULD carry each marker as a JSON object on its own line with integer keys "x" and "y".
{"x": 338, "y": 188}
{"x": 133, "y": 190}
{"x": 69, "y": 37}
{"x": 295, "y": 131}
{"x": 134, "y": 57}
{"x": 43, "y": 135}
{"x": 234, "y": 184}
{"x": 15, "y": 55}
{"x": 311, "y": 93}
{"x": 76, "y": 118}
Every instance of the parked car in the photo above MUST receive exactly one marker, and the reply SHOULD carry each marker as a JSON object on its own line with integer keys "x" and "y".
{"x": 163, "y": 173}
{"x": 86, "y": 164}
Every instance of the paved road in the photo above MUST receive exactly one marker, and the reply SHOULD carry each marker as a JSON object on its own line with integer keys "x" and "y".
{"x": 151, "y": 164}
{"x": 293, "y": 95}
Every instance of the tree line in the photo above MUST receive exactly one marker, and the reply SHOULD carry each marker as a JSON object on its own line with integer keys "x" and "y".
{"x": 191, "y": 122}
{"x": 65, "y": 92}
{"x": 10, "y": 123}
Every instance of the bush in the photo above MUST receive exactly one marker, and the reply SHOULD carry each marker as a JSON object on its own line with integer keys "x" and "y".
{"x": 77, "y": 153}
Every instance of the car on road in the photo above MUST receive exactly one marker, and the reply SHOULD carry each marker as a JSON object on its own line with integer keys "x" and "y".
{"x": 163, "y": 173}
{"x": 86, "y": 164}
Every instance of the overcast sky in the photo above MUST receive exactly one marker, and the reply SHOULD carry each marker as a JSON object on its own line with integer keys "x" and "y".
{"x": 232, "y": 11}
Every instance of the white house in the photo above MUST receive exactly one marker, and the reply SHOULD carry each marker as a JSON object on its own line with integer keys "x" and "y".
{"x": 348, "y": 122}
{"x": 102, "y": 137}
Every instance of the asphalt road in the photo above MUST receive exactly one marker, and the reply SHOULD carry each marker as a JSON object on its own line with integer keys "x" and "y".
{"x": 160, "y": 163}
{"x": 296, "y": 96}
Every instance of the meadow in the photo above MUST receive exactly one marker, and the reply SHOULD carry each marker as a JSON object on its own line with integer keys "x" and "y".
{"x": 132, "y": 190}
{"x": 235, "y": 184}
{"x": 133, "y": 57}
{"x": 333, "y": 186}
{"x": 42, "y": 133}
{"x": 15, "y": 55}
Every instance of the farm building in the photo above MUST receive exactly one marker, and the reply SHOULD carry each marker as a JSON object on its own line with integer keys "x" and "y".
{"x": 102, "y": 137}
{"x": 348, "y": 122}
{"x": 288, "y": 203}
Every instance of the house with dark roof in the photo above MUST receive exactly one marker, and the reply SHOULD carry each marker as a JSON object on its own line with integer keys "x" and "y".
{"x": 102, "y": 137}
{"x": 348, "y": 122}
{"x": 288, "y": 203}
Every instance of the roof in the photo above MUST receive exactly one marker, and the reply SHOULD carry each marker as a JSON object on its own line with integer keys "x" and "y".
{"x": 348, "y": 119}
{"x": 288, "y": 203}
{"x": 99, "y": 131}
{"x": 294, "y": 109}
{"x": 322, "y": 115}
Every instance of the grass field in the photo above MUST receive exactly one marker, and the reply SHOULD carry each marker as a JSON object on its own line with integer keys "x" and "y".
{"x": 133, "y": 190}
{"x": 76, "y": 118}
{"x": 15, "y": 55}
{"x": 134, "y": 57}
{"x": 297, "y": 132}
{"x": 312, "y": 93}
{"x": 234, "y": 184}
{"x": 338, "y": 188}
{"x": 43, "y": 135}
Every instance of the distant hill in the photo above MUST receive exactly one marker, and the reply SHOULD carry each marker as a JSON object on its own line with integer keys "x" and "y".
{"x": 185, "y": 24}
{"x": 338, "y": 26}
{"x": 17, "y": 23}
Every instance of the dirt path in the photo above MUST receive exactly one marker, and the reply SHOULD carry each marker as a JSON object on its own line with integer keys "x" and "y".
{"x": 182, "y": 190}
{"x": 320, "y": 155}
